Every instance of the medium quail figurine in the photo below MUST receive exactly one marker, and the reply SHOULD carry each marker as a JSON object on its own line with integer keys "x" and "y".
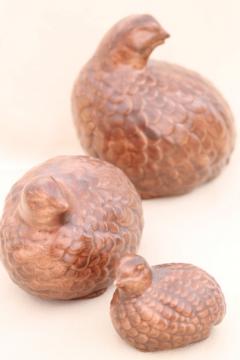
{"x": 165, "y": 126}
{"x": 164, "y": 306}
{"x": 65, "y": 225}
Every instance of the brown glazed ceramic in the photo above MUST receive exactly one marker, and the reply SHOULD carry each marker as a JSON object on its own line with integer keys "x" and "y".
{"x": 165, "y": 126}
{"x": 164, "y": 306}
{"x": 65, "y": 225}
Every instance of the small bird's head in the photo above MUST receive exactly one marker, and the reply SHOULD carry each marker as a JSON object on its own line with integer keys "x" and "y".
{"x": 43, "y": 203}
{"x": 132, "y": 40}
{"x": 133, "y": 275}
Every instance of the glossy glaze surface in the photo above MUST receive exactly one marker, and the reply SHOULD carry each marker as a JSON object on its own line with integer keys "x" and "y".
{"x": 165, "y": 126}
{"x": 164, "y": 306}
{"x": 66, "y": 223}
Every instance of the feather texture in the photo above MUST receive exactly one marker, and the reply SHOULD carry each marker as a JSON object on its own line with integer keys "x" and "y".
{"x": 165, "y": 126}
{"x": 78, "y": 258}
{"x": 180, "y": 307}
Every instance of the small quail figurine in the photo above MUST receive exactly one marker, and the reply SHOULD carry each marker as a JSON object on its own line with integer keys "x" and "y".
{"x": 65, "y": 225}
{"x": 164, "y": 306}
{"x": 165, "y": 126}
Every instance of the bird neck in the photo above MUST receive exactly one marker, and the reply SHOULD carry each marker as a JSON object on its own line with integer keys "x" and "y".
{"x": 123, "y": 58}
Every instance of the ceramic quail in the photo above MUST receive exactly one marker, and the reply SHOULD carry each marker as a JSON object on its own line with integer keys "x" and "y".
{"x": 166, "y": 127}
{"x": 164, "y": 306}
{"x": 65, "y": 225}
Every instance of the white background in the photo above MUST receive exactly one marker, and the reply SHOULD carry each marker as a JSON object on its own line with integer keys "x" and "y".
{"x": 43, "y": 45}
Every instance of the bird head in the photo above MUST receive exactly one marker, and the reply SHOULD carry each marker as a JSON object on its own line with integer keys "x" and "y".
{"x": 131, "y": 41}
{"x": 133, "y": 275}
{"x": 43, "y": 203}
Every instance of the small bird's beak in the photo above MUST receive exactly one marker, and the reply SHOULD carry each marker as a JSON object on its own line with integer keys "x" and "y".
{"x": 117, "y": 283}
{"x": 160, "y": 37}
{"x": 164, "y": 34}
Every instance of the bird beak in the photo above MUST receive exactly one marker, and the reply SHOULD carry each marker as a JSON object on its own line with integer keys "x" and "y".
{"x": 159, "y": 37}
{"x": 117, "y": 284}
{"x": 163, "y": 34}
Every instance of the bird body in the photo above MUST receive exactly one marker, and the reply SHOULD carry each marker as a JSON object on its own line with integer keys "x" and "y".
{"x": 179, "y": 306}
{"x": 165, "y": 126}
{"x": 65, "y": 225}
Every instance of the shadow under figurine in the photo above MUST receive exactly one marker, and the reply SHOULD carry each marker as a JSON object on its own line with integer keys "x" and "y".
{"x": 165, "y": 126}
{"x": 65, "y": 225}
{"x": 164, "y": 306}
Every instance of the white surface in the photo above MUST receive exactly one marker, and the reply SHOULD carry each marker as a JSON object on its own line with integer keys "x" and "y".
{"x": 43, "y": 45}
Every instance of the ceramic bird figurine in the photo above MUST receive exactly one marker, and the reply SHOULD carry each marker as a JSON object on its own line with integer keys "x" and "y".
{"x": 164, "y": 306}
{"x": 65, "y": 225}
{"x": 165, "y": 126}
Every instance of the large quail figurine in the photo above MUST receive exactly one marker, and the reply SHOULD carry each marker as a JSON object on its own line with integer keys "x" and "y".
{"x": 165, "y": 126}
{"x": 165, "y": 306}
{"x": 66, "y": 224}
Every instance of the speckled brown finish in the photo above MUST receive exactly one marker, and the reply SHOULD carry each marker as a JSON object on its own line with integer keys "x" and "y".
{"x": 66, "y": 223}
{"x": 166, "y": 306}
{"x": 165, "y": 126}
